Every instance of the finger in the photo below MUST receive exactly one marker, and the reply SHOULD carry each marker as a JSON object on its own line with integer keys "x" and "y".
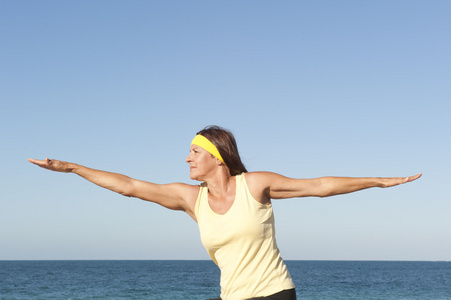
{"x": 412, "y": 178}
{"x": 416, "y": 177}
{"x": 39, "y": 162}
{"x": 34, "y": 161}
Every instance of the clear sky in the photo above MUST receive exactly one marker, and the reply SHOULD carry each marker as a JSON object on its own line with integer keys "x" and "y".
{"x": 309, "y": 88}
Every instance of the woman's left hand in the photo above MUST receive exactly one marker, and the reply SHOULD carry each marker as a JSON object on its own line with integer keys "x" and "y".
{"x": 388, "y": 182}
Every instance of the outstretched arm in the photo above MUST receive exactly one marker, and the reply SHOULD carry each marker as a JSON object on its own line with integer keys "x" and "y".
{"x": 276, "y": 186}
{"x": 330, "y": 186}
{"x": 177, "y": 196}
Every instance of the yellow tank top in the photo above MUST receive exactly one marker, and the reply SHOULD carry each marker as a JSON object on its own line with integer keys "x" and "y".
{"x": 242, "y": 243}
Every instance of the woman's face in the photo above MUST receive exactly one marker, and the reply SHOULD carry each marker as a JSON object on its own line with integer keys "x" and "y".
{"x": 201, "y": 163}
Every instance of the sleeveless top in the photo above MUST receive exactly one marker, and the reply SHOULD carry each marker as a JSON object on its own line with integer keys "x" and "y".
{"x": 242, "y": 243}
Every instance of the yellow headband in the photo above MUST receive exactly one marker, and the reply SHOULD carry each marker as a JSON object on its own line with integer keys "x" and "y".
{"x": 203, "y": 142}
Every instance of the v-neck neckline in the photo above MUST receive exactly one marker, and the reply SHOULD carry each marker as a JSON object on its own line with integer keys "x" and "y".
{"x": 231, "y": 206}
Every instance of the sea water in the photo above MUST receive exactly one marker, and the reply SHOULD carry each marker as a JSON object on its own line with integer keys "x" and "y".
{"x": 183, "y": 279}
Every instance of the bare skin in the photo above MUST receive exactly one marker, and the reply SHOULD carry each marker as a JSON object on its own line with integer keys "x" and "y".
{"x": 175, "y": 196}
{"x": 204, "y": 167}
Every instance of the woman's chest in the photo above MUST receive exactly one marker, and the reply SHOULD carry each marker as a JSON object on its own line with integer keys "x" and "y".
{"x": 239, "y": 223}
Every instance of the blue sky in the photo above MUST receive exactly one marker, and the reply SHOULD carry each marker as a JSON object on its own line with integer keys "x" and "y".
{"x": 309, "y": 88}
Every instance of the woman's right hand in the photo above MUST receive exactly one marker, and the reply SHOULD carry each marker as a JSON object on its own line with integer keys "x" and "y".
{"x": 53, "y": 165}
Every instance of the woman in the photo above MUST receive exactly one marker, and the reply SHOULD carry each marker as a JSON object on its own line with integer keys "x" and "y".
{"x": 232, "y": 208}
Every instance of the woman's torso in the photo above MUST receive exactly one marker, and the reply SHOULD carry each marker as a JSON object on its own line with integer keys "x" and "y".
{"x": 242, "y": 243}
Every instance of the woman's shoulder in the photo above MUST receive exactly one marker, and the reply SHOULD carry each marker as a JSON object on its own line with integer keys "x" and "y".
{"x": 258, "y": 184}
{"x": 259, "y": 175}
{"x": 262, "y": 179}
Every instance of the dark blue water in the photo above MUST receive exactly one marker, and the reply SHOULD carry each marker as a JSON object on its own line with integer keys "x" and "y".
{"x": 371, "y": 279}
{"x": 174, "y": 279}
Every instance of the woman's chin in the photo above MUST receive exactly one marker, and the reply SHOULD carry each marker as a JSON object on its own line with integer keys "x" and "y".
{"x": 193, "y": 176}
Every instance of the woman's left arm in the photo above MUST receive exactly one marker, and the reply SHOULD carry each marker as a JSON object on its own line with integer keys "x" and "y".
{"x": 276, "y": 186}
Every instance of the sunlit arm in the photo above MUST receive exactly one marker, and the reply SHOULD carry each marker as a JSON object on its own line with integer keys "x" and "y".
{"x": 172, "y": 196}
{"x": 330, "y": 186}
{"x": 280, "y": 187}
{"x": 115, "y": 182}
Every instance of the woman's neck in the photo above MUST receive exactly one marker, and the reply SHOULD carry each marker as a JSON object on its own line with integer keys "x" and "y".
{"x": 220, "y": 185}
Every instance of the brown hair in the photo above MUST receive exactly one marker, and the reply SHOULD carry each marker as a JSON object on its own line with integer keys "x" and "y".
{"x": 224, "y": 140}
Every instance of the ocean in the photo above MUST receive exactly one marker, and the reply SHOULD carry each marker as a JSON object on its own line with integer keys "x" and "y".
{"x": 185, "y": 279}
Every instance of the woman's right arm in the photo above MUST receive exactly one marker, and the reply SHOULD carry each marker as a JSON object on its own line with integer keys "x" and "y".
{"x": 176, "y": 196}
